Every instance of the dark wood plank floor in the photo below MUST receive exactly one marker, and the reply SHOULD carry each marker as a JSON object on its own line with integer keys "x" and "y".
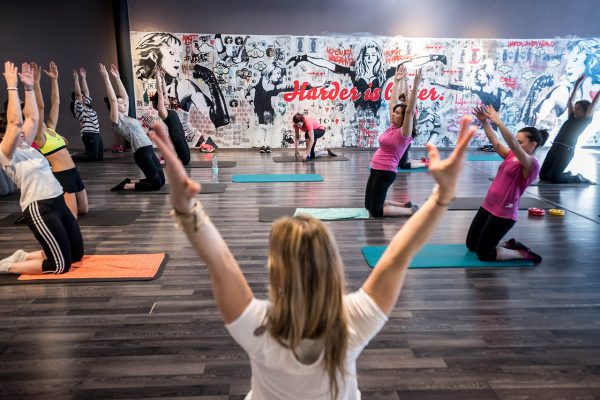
{"x": 518, "y": 333}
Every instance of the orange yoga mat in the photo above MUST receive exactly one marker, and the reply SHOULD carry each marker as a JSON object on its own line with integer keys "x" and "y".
{"x": 108, "y": 268}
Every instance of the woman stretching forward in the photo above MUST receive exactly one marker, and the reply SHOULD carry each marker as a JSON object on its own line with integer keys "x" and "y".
{"x": 304, "y": 341}
{"x": 498, "y": 213}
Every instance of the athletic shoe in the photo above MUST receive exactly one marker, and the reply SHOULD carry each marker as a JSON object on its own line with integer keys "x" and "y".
{"x": 488, "y": 148}
{"x": 331, "y": 153}
{"x": 121, "y": 186}
{"x": 425, "y": 160}
{"x": 408, "y": 204}
{"x": 268, "y": 149}
{"x": 18, "y": 256}
{"x": 582, "y": 179}
{"x": 415, "y": 207}
{"x": 530, "y": 255}
{"x": 263, "y": 149}
{"x": 513, "y": 244}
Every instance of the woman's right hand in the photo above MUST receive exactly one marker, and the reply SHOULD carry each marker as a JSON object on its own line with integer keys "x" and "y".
{"x": 37, "y": 73}
{"x": 10, "y": 74}
{"x": 183, "y": 189}
{"x": 82, "y": 72}
{"x": 446, "y": 171}
{"x": 26, "y": 76}
{"x": 479, "y": 112}
{"x": 103, "y": 71}
{"x": 400, "y": 73}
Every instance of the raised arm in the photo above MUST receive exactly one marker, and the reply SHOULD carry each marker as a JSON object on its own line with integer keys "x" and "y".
{"x": 52, "y": 73}
{"x": 386, "y": 280}
{"x": 14, "y": 120}
{"x": 230, "y": 289}
{"x": 160, "y": 94}
{"x": 592, "y": 108}
{"x": 524, "y": 158}
{"x": 319, "y": 62}
{"x": 502, "y": 150}
{"x": 110, "y": 93}
{"x": 570, "y": 106}
{"x": 84, "y": 86}
{"x": 114, "y": 71}
{"x": 76, "y": 86}
{"x": 30, "y": 111}
{"x": 407, "y": 125}
{"x": 399, "y": 79}
{"x": 40, "y": 138}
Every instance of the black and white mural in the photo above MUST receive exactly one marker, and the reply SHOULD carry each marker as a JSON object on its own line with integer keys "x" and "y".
{"x": 242, "y": 90}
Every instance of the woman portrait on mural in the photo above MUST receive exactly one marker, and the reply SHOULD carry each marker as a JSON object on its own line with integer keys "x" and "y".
{"x": 160, "y": 49}
{"x": 582, "y": 57}
{"x": 368, "y": 72}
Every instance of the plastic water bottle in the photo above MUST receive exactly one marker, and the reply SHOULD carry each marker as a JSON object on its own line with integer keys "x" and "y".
{"x": 215, "y": 169}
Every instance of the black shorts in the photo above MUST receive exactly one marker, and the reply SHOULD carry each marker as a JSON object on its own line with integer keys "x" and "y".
{"x": 70, "y": 180}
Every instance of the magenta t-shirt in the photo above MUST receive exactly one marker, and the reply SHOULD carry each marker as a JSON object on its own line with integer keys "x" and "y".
{"x": 502, "y": 199}
{"x": 392, "y": 146}
{"x": 310, "y": 124}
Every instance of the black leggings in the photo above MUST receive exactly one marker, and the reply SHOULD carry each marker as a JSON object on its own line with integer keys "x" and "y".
{"x": 555, "y": 163}
{"x": 94, "y": 148}
{"x": 404, "y": 163}
{"x": 377, "y": 186}
{"x": 485, "y": 233}
{"x": 317, "y": 134}
{"x": 57, "y": 231}
{"x": 146, "y": 159}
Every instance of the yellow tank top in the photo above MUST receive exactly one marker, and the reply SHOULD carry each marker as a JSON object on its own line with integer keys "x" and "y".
{"x": 53, "y": 143}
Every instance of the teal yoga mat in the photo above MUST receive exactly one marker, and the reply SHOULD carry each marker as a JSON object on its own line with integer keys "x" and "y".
{"x": 484, "y": 157}
{"x": 277, "y": 178}
{"x": 443, "y": 256}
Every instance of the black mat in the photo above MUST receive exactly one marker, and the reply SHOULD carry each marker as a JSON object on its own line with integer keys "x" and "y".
{"x": 473, "y": 203}
{"x": 96, "y": 217}
{"x": 192, "y": 164}
{"x": 548, "y": 184}
{"x": 207, "y": 188}
{"x": 286, "y": 159}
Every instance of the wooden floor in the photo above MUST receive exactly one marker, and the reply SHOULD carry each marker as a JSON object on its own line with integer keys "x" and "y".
{"x": 513, "y": 333}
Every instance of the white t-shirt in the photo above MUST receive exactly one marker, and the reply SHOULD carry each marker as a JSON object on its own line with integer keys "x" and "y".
{"x": 31, "y": 172}
{"x": 278, "y": 375}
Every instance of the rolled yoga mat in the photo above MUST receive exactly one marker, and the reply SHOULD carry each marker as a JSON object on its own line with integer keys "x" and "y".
{"x": 277, "y": 178}
{"x": 443, "y": 256}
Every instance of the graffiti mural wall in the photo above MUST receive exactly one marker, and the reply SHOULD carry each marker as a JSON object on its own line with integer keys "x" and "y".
{"x": 242, "y": 91}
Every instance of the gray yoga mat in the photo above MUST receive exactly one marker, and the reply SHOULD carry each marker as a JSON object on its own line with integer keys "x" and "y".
{"x": 270, "y": 214}
{"x": 287, "y": 159}
{"x": 207, "y": 188}
{"x": 192, "y": 164}
{"x": 95, "y": 217}
{"x": 473, "y": 203}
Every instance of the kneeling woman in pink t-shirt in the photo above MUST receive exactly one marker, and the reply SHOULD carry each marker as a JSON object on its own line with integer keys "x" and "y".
{"x": 392, "y": 145}
{"x": 499, "y": 210}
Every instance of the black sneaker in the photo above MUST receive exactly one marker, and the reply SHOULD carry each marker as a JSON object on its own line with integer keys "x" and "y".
{"x": 263, "y": 149}
{"x": 121, "y": 186}
{"x": 268, "y": 149}
{"x": 331, "y": 153}
{"x": 582, "y": 179}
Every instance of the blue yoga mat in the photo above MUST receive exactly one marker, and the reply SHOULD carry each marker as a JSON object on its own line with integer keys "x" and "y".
{"x": 484, "y": 157}
{"x": 277, "y": 178}
{"x": 443, "y": 256}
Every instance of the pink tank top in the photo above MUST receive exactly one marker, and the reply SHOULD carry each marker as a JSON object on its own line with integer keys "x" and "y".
{"x": 502, "y": 199}
{"x": 392, "y": 146}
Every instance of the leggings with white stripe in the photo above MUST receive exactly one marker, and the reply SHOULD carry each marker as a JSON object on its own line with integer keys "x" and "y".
{"x": 55, "y": 228}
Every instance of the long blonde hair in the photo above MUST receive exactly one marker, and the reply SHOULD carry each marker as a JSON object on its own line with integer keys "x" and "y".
{"x": 306, "y": 288}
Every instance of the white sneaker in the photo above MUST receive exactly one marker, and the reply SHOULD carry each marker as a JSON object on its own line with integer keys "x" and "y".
{"x": 18, "y": 256}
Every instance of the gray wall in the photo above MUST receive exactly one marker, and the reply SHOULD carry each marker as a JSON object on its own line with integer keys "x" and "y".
{"x": 71, "y": 33}
{"x": 81, "y": 33}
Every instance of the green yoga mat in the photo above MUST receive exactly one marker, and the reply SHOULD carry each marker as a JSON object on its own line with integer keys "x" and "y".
{"x": 443, "y": 256}
{"x": 277, "y": 178}
{"x": 330, "y": 214}
{"x": 484, "y": 157}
